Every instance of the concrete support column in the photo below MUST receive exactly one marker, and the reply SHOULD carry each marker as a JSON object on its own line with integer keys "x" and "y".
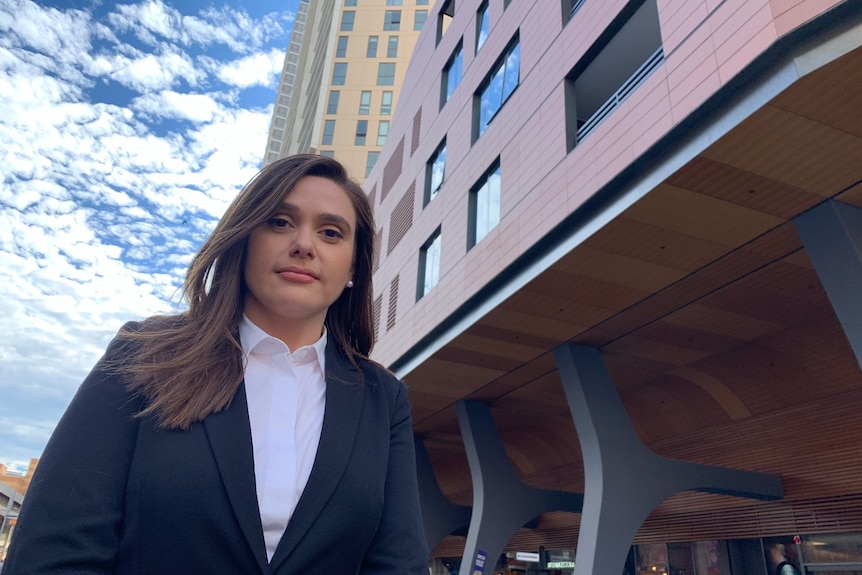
{"x": 832, "y": 235}
{"x": 440, "y": 516}
{"x": 501, "y": 501}
{"x": 624, "y": 480}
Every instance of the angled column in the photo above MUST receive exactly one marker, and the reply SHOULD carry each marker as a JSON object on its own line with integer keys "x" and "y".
{"x": 832, "y": 235}
{"x": 624, "y": 480}
{"x": 440, "y": 516}
{"x": 501, "y": 501}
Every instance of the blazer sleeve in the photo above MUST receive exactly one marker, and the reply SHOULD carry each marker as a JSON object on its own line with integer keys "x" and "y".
{"x": 399, "y": 547}
{"x": 72, "y": 514}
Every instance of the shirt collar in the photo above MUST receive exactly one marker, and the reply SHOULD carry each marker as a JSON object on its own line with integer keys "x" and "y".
{"x": 251, "y": 335}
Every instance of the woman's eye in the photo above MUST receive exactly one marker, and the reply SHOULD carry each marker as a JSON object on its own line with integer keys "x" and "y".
{"x": 278, "y": 223}
{"x": 332, "y": 234}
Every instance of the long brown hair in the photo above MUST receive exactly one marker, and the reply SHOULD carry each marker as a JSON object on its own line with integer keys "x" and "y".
{"x": 190, "y": 365}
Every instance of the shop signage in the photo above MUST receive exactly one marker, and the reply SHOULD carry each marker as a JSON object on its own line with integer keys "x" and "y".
{"x": 479, "y": 565}
{"x": 561, "y": 564}
{"x": 528, "y": 557}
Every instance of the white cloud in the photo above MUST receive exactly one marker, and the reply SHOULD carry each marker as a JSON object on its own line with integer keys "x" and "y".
{"x": 197, "y": 108}
{"x": 102, "y": 206}
{"x": 261, "y": 69}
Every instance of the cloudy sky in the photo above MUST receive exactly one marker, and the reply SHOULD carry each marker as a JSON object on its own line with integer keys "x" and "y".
{"x": 125, "y": 129}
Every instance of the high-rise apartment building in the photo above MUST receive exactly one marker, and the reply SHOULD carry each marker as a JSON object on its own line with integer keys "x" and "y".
{"x": 342, "y": 73}
{"x": 620, "y": 273}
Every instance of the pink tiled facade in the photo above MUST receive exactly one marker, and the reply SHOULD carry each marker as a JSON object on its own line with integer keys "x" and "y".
{"x": 545, "y": 177}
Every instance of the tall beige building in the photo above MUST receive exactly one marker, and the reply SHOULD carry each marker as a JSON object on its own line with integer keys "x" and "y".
{"x": 342, "y": 73}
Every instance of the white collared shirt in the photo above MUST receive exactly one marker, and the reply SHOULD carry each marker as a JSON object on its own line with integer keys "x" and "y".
{"x": 286, "y": 395}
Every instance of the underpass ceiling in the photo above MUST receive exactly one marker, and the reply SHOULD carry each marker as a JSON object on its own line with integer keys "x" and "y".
{"x": 701, "y": 298}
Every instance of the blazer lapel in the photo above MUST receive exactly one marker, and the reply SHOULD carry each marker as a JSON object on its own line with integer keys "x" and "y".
{"x": 229, "y": 434}
{"x": 341, "y": 416}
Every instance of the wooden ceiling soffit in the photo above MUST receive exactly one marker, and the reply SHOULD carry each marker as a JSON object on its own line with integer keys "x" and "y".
{"x": 743, "y": 188}
{"x": 830, "y": 95}
{"x": 700, "y": 216}
{"x": 655, "y": 244}
{"x": 792, "y": 149}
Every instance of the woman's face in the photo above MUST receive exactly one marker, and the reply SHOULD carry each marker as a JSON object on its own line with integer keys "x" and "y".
{"x": 300, "y": 260}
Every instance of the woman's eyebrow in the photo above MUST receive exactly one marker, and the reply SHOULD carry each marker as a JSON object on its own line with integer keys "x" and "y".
{"x": 326, "y": 217}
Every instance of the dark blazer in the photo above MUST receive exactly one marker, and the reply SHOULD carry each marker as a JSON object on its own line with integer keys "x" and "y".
{"x": 114, "y": 494}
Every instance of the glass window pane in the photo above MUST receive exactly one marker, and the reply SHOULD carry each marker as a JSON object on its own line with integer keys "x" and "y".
{"x": 370, "y": 162}
{"x": 328, "y": 132}
{"x": 332, "y": 104}
{"x": 513, "y": 64}
{"x": 392, "y": 48}
{"x": 382, "y": 132}
{"x": 482, "y": 26}
{"x": 419, "y": 19}
{"x": 392, "y": 20}
{"x": 386, "y": 104}
{"x": 347, "y": 18}
{"x": 494, "y": 185}
{"x": 432, "y": 265}
{"x": 365, "y": 103}
{"x": 482, "y": 212}
{"x": 341, "y": 48}
{"x": 339, "y": 74}
{"x": 386, "y": 74}
{"x": 361, "y": 132}
{"x": 453, "y": 73}
{"x": 371, "y": 50}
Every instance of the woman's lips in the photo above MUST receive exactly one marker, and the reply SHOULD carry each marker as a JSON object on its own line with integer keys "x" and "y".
{"x": 297, "y": 275}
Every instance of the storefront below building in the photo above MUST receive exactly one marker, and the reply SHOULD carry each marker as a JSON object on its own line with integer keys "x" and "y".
{"x": 829, "y": 554}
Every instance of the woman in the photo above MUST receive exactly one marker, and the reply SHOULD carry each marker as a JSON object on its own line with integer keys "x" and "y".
{"x": 250, "y": 434}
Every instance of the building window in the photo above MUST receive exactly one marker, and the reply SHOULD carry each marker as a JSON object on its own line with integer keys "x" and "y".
{"x": 393, "y": 2}
{"x": 419, "y": 18}
{"x": 392, "y": 20}
{"x": 484, "y": 205}
{"x": 341, "y": 48}
{"x": 361, "y": 132}
{"x": 444, "y": 18}
{"x": 497, "y": 87}
{"x": 386, "y": 74}
{"x": 482, "y": 25}
{"x": 371, "y": 49}
{"x": 386, "y": 104}
{"x": 370, "y": 162}
{"x": 392, "y": 48}
{"x": 382, "y": 132}
{"x": 332, "y": 103}
{"x": 328, "y": 132}
{"x": 435, "y": 170}
{"x": 347, "y": 18}
{"x": 451, "y": 75}
{"x": 421, "y": 2}
{"x": 350, "y": 2}
{"x": 429, "y": 265}
{"x": 595, "y": 87}
{"x": 339, "y": 73}
{"x": 569, "y": 9}
{"x": 365, "y": 103}
{"x": 327, "y": 153}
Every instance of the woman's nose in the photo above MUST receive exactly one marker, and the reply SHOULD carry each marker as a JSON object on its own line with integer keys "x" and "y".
{"x": 302, "y": 242}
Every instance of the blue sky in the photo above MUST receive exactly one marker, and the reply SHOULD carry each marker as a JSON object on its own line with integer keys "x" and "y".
{"x": 125, "y": 129}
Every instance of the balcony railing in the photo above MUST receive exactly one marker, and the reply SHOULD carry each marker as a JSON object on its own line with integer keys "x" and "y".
{"x": 618, "y": 97}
